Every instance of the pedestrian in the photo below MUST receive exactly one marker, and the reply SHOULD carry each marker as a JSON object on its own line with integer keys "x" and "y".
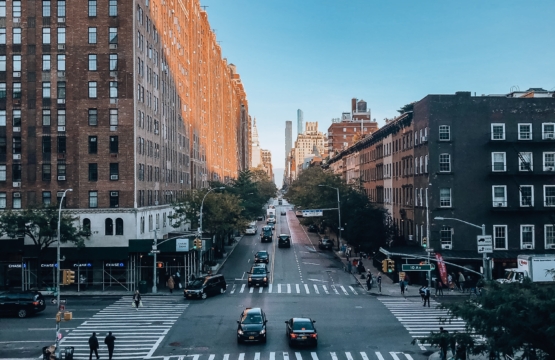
{"x": 450, "y": 282}
{"x": 439, "y": 287}
{"x": 402, "y": 285}
{"x": 110, "y": 342}
{"x": 170, "y": 284}
{"x": 137, "y": 300}
{"x": 443, "y": 342}
{"x": 421, "y": 292}
{"x": 379, "y": 282}
{"x": 461, "y": 281}
{"x": 407, "y": 281}
{"x": 349, "y": 267}
{"x": 178, "y": 279}
{"x": 93, "y": 346}
{"x": 426, "y": 296}
{"x": 369, "y": 281}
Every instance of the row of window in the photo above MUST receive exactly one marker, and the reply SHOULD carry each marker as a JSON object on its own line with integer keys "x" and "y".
{"x": 525, "y": 161}
{"x": 61, "y": 118}
{"x": 524, "y": 131}
{"x": 61, "y": 90}
{"x": 152, "y": 224}
{"x": 526, "y": 195}
{"x": 46, "y": 36}
{"x": 60, "y": 63}
{"x": 60, "y": 8}
{"x": 108, "y": 226}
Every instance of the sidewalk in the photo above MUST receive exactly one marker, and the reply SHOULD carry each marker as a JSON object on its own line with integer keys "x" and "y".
{"x": 437, "y": 356}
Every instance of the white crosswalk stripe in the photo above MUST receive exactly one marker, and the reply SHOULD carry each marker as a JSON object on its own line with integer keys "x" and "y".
{"x": 303, "y": 289}
{"x": 138, "y": 332}
{"x": 419, "y": 320}
{"x": 297, "y": 355}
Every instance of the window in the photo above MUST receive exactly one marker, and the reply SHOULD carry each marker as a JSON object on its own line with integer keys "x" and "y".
{"x": 87, "y": 225}
{"x": 46, "y": 90}
{"x": 16, "y": 39}
{"x": 93, "y": 145}
{"x": 61, "y": 144}
{"x": 16, "y": 63}
{"x": 2, "y": 62}
{"x": 108, "y": 227}
{"x": 16, "y": 200}
{"x": 549, "y": 195}
{"x": 114, "y": 199}
{"x": 46, "y": 63}
{"x": 500, "y": 237}
{"x": 61, "y": 35}
{"x": 114, "y": 148}
{"x": 45, "y": 8}
{"x": 142, "y": 224}
{"x": 3, "y": 145}
{"x": 16, "y": 145}
{"x": 46, "y": 172}
{"x": 444, "y": 163}
{"x": 46, "y": 198}
{"x": 421, "y": 165}
{"x": 16, "y": 172}
{"x": 113, "y": 89}
{"x": 114, "y": 171}
{"x": 61, "y": 88}
{"x": 16, "y": 90}
{"x": 46, "y": 36}
{"x": 93, "y": 172}
{"x": 446, "y": 235}
{"x": 61, "y": 170}
{"x": 92, "y": 35}
{"x": 3, "y": 8}
{"x": 16, "y": 9}
{"x": 61, "y": 8}
{"x": 92, "y": 7}
{"x": 113, "y": 62}
{"x": 549, "y": 161}
{"x": 524, "y": 131}
{"x": 548, "y": 131}
{"x": 3, "y": 172}
{"x": 2, "y": 200}
{"x": 46, "y": 117}
{"x": 93, "y": 199}
{"x": 444, "y": 133}
{"x": 61, "y": 117}
{"x": 549, "y": 233}
{"x": 498, "y": 131}
{"x": 445, "y": 197}
{"x": 2, "y": 117}
{"x": 416, "y": 165}
{"x": 113, "y": 119}
{"x": 92, "y": 62}
{"x": 113, "y": 35}
{"x": 526, "y": 236}
{"x": 525, "y": 161}
{"x": 499, "y": 195}
{"x": 498, "y": 161}
{"x": 16, "y": 118}
{"x": 119, "y": 226}
{"x": 46, "y": 144}
{"x": 526, "y": 195}
{"x": 92, "y": 89}
{"x": 3, "y": 92}
{"x": 3, "y": 36}
{"x": 113, "y": 8}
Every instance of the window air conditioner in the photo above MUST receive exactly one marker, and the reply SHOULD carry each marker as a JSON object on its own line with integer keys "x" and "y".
{"x": 113, "y": 74}
{"x": 550, "y": 136}
{"x": 114, "y": 193}
{"x": 16, "y": 20}
{"x": 551, "y": 168}
{"x": 61, "y": 128}
{"x": 551, "y": 246}
{"x": 61, "y": 46}
{"x": 411, "y": 237}
{"x": 61, "y": 178}
{"x": 61, "y": 101}
{"x": 527, "y": 246}
{"x": 113, "y": 46}
{"x": 499, "y": 204}
{"x": 17, "y": 156}
{"x": 114, "y": 177}
{"x": 61, "y": 74}
{"x": 16, "y": 195}
{"x": 16, "y": 74}
{"x": 16, "y": 184}
{"x": 446, "y": 246}
{"x": 61, "y": 19}
{"x": 16, "y": 129}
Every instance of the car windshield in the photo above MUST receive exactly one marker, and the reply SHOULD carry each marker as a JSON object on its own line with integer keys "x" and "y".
{"x": 267, "y": 232}
{"x": 303, "y": 325}
{"x": 259, "y": 271}
{"x": 262, "y": 255}
{"x": 284, "y": 237}
{"x": 197, "y": 284}
{"x": 251, "y": 319}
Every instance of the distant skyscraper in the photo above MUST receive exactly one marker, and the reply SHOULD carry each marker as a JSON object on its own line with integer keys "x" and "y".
{"x": 299, "y": 122}
{"x": 288, "y": 138}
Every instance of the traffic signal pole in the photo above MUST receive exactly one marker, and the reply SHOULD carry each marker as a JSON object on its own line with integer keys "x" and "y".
{"x": 155, "y": 248}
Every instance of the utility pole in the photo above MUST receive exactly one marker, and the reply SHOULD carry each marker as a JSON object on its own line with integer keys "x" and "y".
{"x": 154, "y": 251}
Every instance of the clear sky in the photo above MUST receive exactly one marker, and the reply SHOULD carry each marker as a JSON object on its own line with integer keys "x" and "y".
{"x": 316, "y": 55}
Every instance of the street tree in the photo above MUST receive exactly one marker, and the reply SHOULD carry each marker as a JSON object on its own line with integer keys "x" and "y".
{"x": 40, "y": 225}
{"x": 223, "y": 216}
{"x": 253, "y": 190}
{"x": 187, "y": 209}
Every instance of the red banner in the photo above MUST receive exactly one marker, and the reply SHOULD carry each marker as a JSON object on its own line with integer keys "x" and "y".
{"x": 442, "y": 269}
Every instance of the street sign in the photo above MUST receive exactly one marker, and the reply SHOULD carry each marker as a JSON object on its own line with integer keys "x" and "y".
{"x": 484, "y": 240}
{"x": 313, "y": 213}
{"x": 416, "y": 267}
{"x": 485, "y": 249}
{"x": 429, "y": 250}
{"x": 155, "y": 251}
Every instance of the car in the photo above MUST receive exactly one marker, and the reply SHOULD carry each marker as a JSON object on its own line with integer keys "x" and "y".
{"x": 301, "y": 331}
{"x": 260, "y": 218}
{"x": 272, "y": 225}
{"x": 203, "y": 287}
{"x": 262, "y": 257}
{"x": 325, "y": 244}
{"x": 251, "y": 230}
{"x": 251, "y": 326}
{"x": 284, "y": 240}
{"x": 266, "y": 234}
{"x": 312, "y": 228}
{"x": 21, "y": 303}
{"x": 258, "y": 275}
{"x": 283, "y": 213}
{"x": 270, "y": 220}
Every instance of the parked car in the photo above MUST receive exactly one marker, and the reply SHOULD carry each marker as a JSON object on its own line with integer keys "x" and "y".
{"x": 251, "y": 230}
{"x": 301, "y": 331}
{"x": 312, "y": 228}
{"x": 262, "y": 257}
{"x": 260, "y": 218}
{"x": 203, "y": 287}
{"x": 325, "y": 244}
{"x": 284, "y": 241}
{"x": 21, "y": 303}
{"x": 251, "y": 326}
{"x": 258, "y": 275}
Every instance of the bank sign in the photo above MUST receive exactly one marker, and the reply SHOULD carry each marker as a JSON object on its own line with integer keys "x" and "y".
{"x": 181, "y": 245}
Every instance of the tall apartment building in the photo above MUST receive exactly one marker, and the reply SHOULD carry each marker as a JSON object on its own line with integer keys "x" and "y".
{"x": 256, "y": 151}
{"x": 128, "y": 103}
{"x": 482, "y": 160}
{"x": 307, "y": 142}
{"x": 267, "y": 163}
{"x": 288, "y": 146}
{"x": 300, "y": 116}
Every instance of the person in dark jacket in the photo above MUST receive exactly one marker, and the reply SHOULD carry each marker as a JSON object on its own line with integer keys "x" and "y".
{"x": 110, "y": 342}
{"x": 137, "y": 299}
{"x": 93, "y": 346}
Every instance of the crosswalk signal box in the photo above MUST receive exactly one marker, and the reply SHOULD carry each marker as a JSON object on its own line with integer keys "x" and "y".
{"x": 384, "y": 265}
{"x": 70, "y": 277}
{"x": 390, "y": 266}
{"x": 424, "y": 242}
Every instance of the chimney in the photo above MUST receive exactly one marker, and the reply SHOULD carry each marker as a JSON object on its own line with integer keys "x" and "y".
{"x": 353, "y": 105}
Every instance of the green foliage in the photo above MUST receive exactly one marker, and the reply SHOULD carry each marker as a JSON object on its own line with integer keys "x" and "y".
{"x": 222, "y": 214}
{"x": 406, "y": 108}
{"x": 513, "y": 318}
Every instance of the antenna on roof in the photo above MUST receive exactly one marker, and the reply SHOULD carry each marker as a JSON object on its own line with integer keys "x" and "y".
{"x": 514, "y": 88}
{"x": 204, "y": 7}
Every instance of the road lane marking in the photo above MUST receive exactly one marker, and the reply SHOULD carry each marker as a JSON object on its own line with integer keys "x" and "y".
{"x": 333, "y": 356}
{"x": 279, "y": 288}
{"x": 270, "y": 288}
{"x": 272, "y": 356}
{"x": 355, "y": 292}
{"x": 379, "y": 355}
{"x": 363, "y": 355}
{"x": 318, "y": 280}
{"x": 226, "y": 356}
{"x": 257, "y": 356}
{"x": 325, "y": 289}
{"x": 298, "y": 356}
{"x": 348, "y": 355}
{"x": 289, "y": 288}
{"x": 308, "y": 263}
{"x": 306, "y": 289}
{"x": 251, "y": 290}
{"x": 212, "y": 356}
{"x": 233, "y": 289}
{"x": 314, "y": 356}
{"x": 298, "y": 288}
{"x": 316, "y": 289}
{"x": 242, "y": 356}
{"x": 260, "y": 290}
{"x": 285, "y": 356}
{"x": 342, "y": 288}
{"x": 243, "y": 288}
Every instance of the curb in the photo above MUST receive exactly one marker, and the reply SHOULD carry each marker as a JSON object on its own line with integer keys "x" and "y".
{"x": 227, "y": 257}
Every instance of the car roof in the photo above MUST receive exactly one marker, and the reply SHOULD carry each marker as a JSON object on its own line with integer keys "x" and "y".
{"x": 302, "y": 319}
{"x": 253, "y": 310}
{"x": 284, "y": 235}
{"x": 261, "y": 251}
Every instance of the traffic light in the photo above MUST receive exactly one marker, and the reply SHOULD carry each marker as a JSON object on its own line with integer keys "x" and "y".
{"x": 159, "y": 264}
{"x": 197, "y": 244}
{"x": 384, "y": 265}
{"x": 390, "y": 266}
{"x": 64, "y": 277}
{"x": 70, "y": 277}
{"x": 424, "y": 242}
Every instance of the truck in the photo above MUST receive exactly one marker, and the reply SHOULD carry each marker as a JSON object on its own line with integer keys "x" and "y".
{"x": 271, "y": 211}
{"x": 534, "y": 267}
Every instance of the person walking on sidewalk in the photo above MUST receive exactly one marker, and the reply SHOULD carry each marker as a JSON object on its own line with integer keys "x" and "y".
{"x": 137, "y": 299}
{"x": 93, "y": 346}
{"x": 110, "y": 342}
{"x": 379, "y": 282}
{"x": 443, "y": 343}
{"x": 450, "y": 282}
{"x": 402, "y": 285}
{"x": 439, "y": 287}
{"x": 426, "y": 295}
{"x": 369, "y": 281}
{"x": 461, "y": 281}
{"x": 170, "y": 284}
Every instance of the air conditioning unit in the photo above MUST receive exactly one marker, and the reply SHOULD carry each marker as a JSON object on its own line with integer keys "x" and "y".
{"x": 17, "y": 74}
{"x": 527, "y": 246}
{"x": 411, "y": 237}
{"x": 114, "y": 193}
{"x": 424, "y": 138}
{"x": 551, "y": 246}
{"x": 114, "y": 177}
{"x": 446, "y": 246}
{"x": 550, "y": 136}
{"x": 16, "y": 195}
{"x": 113, "y": 128}
{"x": 113, "y": 73}
{"x": 61, "y": 74}
{"x": 181, "y": 181}
{"x": 499, "y": 204}
{"x": 61, "y": 178}
{"x": 113, "y": 100}
{"x": 16, "y": 129}
{"x": 17, "y": 156}
{"x": 16, "y": 20}
{"x": 61, "y": 101}
{"x": 16, "y": 184}
{"x": 156, "y": 203}
{"x": 61, "y": 19}
{"x": 113, "y": 46}
{"x": 156, "y": 131}
{"x": 551, "y": 168}
{"x": 61, "y": 46}
{"x": 61, "y": 128}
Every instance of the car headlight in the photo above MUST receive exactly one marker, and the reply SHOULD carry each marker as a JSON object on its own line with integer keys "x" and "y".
{"x": 240, "y": 332}
{"x": 265, "y": 279}
{"x": 250, "y": 279}
{"x": 263, "y": 331}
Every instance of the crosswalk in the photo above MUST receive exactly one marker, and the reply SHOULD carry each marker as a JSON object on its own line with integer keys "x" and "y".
{"x": 138, "y": 332}
{"x": 305, "y": 289}
{"x": 420, "y": 321}
{"x": 305, "y": 355}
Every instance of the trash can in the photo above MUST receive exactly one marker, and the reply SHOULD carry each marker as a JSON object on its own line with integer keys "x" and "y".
{"x": 68, "y": 353}
{"x": 143, "y": 287}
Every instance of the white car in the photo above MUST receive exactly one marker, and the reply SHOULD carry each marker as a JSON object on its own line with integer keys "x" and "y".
{"x": 251, "y": 230}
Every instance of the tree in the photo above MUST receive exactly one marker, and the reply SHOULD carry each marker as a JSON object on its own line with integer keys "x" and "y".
{"x": 187, "y": 209}
{"x": 513, "y": 318}
{"x": 254, "y": 189}
{"x": 222, "y": 216}
{"x": 40, "y": 224}
{"x": 406, "y": 108}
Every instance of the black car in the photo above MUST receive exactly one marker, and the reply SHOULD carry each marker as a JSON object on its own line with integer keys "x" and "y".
{"x": 260, "y": 218}
{"x": 21, "y": 303}
{"x": 262, "y": 257}
{"x": 325, "y": 244}
{"x": 203, "y": 287}
{"x": 312, "y": 228}
{"x": 266, "y": 234}
{"x": 284, "y": 241}
{"x": 258, "y": 275}
{"x": 301, "y": 331}
{"x": 252, "y": 326}
{"x": 283, "y": 213}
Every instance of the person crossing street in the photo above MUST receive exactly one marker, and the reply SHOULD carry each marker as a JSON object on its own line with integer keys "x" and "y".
{"x": 110, "y": 343}
{"x": 93, "y": 346}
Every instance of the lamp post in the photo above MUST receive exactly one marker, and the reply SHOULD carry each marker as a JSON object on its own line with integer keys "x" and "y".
{"x": 58, "y": 269}
{"x": 200, "y": 221}
{"x": 338, "y": 211}
{"x": 487, "y": 270}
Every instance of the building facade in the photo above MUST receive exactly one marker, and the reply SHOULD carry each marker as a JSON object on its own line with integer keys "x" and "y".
{"x": 267, "y": 163}
{"x": 300, "y": 119}
{"x": 310, "y": 142}
{"x": 288, "y": 146}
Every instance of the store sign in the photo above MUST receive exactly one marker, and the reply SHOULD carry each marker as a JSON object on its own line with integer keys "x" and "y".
{"x": 16, "y": 266}
{"x": 181, "y": 245}
{"x": 116, "y": 264}
{"x": 48, "y": 265}
{"x": 82, "y": 265}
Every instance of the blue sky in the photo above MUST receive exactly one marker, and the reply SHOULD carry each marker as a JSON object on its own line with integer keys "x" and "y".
{"x": 316, "y": 55}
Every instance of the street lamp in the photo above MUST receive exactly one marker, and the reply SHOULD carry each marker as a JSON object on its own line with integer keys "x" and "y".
{"x": 58, "y": 268}
{"x": 200, "y": 222}
{"x": 338, "y": 211}
{"x": 487, "y": 270}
